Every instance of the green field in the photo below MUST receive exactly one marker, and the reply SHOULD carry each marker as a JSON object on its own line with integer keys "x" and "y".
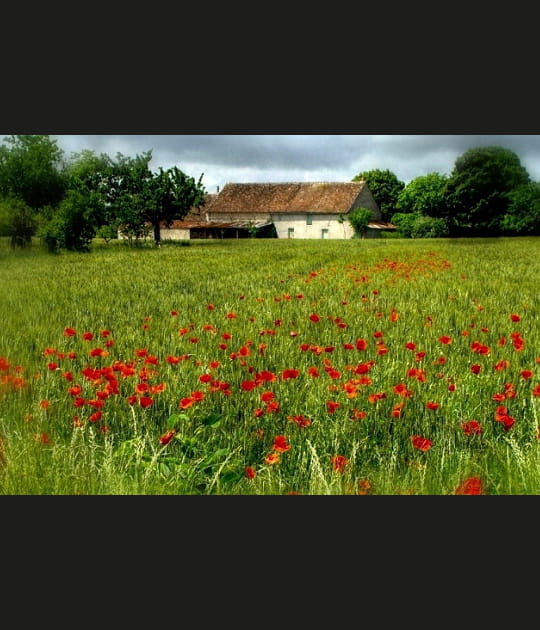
{"x": 265, "y": 367}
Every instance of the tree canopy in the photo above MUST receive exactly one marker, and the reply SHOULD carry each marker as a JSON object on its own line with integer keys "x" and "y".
{"x": 385, "y": 188}
{"x": 479, "y": 187}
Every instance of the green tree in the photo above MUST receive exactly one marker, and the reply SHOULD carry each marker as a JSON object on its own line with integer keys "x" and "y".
{"x": 31, "y": 170}
{"x": 140, "y": 197}
{"x": 479, "y": 187}
{"x": 17, "y": 221}
{"x": 385, "y": 188}
{"x": 30, "y": 173}
{"x": 359, "y": 218}
{"x": 417, "y": 225}
{"x": 83, "y": 210}
{"x": 425, "y": 194}
{"x": 523, "y": 214}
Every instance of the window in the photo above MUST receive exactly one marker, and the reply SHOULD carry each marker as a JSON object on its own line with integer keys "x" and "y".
{"x": 290, "y": 233}
{"x": 309, "y": 219}
{"x": 324, "y": 233}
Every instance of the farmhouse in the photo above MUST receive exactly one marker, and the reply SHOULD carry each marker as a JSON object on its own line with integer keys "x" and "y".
{"x": 301, "y": 210}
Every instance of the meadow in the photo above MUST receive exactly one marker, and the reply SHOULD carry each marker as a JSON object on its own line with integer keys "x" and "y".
{"x": 266, "y": 367}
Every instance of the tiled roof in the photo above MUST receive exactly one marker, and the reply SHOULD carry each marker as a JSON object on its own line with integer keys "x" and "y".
{"x": 322, "y": 197}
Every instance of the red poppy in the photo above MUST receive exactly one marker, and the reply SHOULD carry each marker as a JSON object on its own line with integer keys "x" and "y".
{"x": 421, "y": 443}
{"x": 300, "y": 420}
{"x": 69, "y": 332}
{"x": 445, "y": 339}
{"x": 281, "y": 444}
{"x": 515, "y": 317}
{"x": 290, "y": 373}
{"x": 472, "y": 427}
{"x": 471, "y": 485}
{"x": 475, "y": 369}
{"x": 338, "y": 463}
{"x": 145, "y": 401}
{"x": 332, "y": 406}
{"x": 272, "y": 458}
{"x": 250, "y": 472}
{"x": 167, "y": 437}
{"x": 95, "y": 416}
{"x": 432, "y": 405}
{"x": 88, "y": 336}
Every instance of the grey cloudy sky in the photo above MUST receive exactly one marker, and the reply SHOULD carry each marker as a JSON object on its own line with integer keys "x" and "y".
{"x": 223, "y": 159}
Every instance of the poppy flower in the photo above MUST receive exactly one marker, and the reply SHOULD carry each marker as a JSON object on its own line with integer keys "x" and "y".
{"x": 314, "y": 318}
{"x": 472, "y": 427}
{"x": 471, "y": 485}
{"x": 167, "y": 437}
{"x": 272, "y": 458}
{"x": 290, "y": 373}
{"x": 250, "y": 472}
{"x": 421, "y": 443}
{"x": 281, "y": 444}
{"x": 338, "y": 463}
{"x": 145, "y": 401}
{"x": 332, "y": 406}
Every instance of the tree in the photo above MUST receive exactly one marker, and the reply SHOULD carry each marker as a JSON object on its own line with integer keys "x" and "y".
{"x": 425, "y": 194}
{"x": 523, "y": 214}
{"x": 359, "y": 218}
{"x": 479, "y": 187}
{"x": 30, "y": 180}
{"x": 31, "y": 170}
{"x": 83, "y": 210}
{"x": 385, "y": 188}
{"x": 17, "y": 221}
{"x": 141, "y": 197}
{"x": 418, "y": 225}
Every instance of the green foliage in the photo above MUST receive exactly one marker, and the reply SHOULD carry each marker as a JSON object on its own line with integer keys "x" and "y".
{"x": 418, "y": 225}
{"x": 523, "y": 214}
{"x": 30, "y": 170}
{"x": 479, "y": 187}
{"x": 425, "y": 194}
{"x": 140, "y": 197}
{"x": 385, "y": 188}
{"x": 359, "y": 219}
{"x": 72, "y": 226}
{"x": 17, "y": 221}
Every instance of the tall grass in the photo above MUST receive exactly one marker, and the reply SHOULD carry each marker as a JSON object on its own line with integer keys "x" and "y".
{"x": 272, "y": 367}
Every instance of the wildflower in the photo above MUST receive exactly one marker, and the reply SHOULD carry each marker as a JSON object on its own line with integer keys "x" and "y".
{"x": 290, "y": 373}
{"x": 314, "y": 318}
{"x": 332, "y": 406}
{"x": 472, "y": 427}
{"x": 69, "y": 332}
{"x": 421, "y": 443}
{"x": 145, "y": 401}
{"x": 432, "y": 405}
{"x": 471, "y": 485}
{"x": 338, "y": 463}
{"x": 272, "y": 458}
{"x": 280, "y": 444}
{"x": 167, "y": 437}
{"x": 250, "y": 472}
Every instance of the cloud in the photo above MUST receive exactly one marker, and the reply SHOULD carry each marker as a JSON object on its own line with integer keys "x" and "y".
{"x": 223, "y": 158}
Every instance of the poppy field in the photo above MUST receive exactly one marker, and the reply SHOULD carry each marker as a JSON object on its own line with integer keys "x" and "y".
{"x": 266, "y": 367}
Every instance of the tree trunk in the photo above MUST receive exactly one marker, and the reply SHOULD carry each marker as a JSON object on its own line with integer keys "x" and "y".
{"x": 157, "y": 235}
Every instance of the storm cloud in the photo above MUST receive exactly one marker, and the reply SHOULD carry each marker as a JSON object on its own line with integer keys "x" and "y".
{"x": 243, "y": 158}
